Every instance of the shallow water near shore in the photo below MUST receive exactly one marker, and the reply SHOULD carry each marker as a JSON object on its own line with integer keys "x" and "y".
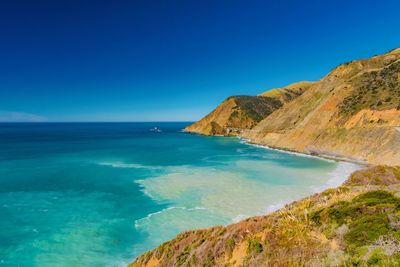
{"x": 99, "y": 194}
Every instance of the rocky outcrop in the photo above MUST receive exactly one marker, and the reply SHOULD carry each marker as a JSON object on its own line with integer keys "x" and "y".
{"x": 355, "y": 224}
{"x": 238, "y": 113}
{"x": 351, "y": 113}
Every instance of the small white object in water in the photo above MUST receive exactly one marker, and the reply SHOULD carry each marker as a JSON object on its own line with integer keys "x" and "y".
{"x": 155, "y": 129}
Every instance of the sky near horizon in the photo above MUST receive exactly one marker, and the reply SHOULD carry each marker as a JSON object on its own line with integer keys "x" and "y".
{"x": 164, "y": 60}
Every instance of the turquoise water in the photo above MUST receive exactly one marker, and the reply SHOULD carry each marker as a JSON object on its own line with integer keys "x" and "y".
{"x": 99, "y": 194}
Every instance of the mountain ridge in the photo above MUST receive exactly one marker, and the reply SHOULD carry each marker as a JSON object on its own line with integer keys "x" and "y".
{"x": 234, "y": 114}
{"x": 351, "y": 113}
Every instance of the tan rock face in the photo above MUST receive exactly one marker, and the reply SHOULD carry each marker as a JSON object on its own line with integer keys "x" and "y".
{"x": 353, "y": 112}
{"x": 212, "y": 123}
{"x": 227, "y": 119}
{"x": 239, "y": 113}
{"x": 374, "y": 118}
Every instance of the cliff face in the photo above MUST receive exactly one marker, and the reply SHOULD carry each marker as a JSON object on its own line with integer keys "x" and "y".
{"x": 353, "y": 112}
{"x": 244, "y": 112}
{"x": 234, "y": 114}
{"x": 357, "y": 224}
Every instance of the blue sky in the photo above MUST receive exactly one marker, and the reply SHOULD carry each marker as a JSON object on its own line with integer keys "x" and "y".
{"x": 173, "y": 60}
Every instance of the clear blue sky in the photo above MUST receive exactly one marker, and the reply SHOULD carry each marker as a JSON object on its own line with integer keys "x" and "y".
{"x": 173, "y": 60}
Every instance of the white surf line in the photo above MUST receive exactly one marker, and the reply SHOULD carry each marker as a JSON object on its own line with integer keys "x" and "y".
{"x": 325, "y": 157}
{"x": 330, "y": 159}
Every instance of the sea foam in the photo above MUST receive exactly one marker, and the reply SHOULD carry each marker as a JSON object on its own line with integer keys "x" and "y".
{"x": 128, "y": 165}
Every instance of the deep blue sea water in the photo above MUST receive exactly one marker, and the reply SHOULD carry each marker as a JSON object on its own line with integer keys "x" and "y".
{"x": 99, "y": 194}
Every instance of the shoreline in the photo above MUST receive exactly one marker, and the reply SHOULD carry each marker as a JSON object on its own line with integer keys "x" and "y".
{"x": 362, "y": 165}
{"x": 283, "y": 205}
{"x": 323, "y": 156}
{"x": 314, "y": 154}
{"x": 270, "y": 209}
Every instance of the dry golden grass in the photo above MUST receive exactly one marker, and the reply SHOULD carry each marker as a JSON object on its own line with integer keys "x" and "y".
{"x": 314, "y": 231}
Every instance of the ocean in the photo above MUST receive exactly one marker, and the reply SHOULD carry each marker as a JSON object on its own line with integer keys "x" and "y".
{"x": 100, "y": 194}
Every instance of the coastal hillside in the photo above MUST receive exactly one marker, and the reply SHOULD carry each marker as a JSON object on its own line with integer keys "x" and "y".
{"x": 353, "y": 112}
{"x": 357, "y": 224}
{"x": 289, "y": 92}
{"x": 237, "y": 113}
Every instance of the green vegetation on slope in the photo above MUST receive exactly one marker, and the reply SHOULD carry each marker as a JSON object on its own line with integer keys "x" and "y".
{"x": 369, "y": 219}
{"x": 255, "y": 107}
{"x": 357, "y": 224}
{"x": 376, "y": 90}
{"x": 351, "y": 113}
{"x": 237, "y": 113}
{"x": 289, "y": 92}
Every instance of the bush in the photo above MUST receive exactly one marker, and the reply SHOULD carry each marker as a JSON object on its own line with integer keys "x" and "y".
{"x": 367, "y": 229}
{"x": 254, "y": 245}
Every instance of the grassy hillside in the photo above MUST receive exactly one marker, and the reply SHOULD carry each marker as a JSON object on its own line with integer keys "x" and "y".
{"x": 357, "y": 224}
{"x": 244, "y": 112}
{"x": 289, "y": 92}
{"x": 234, "y": 114}
{"x": 375, "y": 90}
{"x": 255, "y": 107}
{"x": 352, "y": 112}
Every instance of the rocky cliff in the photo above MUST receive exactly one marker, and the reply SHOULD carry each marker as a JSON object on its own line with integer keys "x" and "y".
{"x": 357, "y": 224}
{"x": 238, "y": 113}
{"x": 353, "y": 112}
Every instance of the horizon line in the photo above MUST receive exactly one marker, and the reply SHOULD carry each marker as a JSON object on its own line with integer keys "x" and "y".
{"x": 49, "y": 122}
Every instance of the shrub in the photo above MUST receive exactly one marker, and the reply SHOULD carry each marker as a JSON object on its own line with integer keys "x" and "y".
{"x": 254, "y": 245}
{"x": 367, "y": 229}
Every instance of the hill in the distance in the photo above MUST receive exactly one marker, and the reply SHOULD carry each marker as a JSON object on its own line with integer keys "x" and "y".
{"x": 353, "y": 112}
{"x": 237, "y": 113}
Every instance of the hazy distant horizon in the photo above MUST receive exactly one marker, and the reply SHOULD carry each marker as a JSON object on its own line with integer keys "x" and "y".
{"x": 54, "y": 122}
